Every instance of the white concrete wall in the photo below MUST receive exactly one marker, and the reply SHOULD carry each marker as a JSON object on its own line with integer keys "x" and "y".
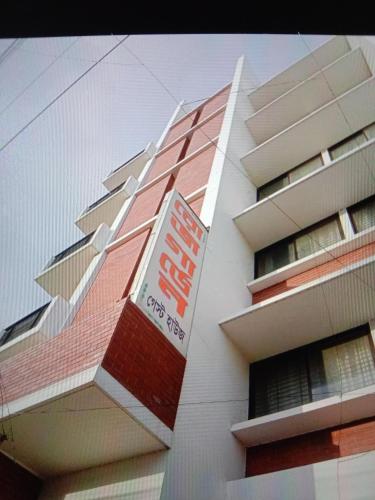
{"x": 138, "y": 478}
{"x": 347, "y": 478}
{"x": 204, "y": 453}
{"x": 367, "y": 44}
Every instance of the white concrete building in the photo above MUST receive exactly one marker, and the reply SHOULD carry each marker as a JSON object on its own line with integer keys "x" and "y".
{"x": 225, "y": 357}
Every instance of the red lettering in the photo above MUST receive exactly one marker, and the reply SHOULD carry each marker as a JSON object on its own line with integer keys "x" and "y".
{"x": 186, "y": 261}
{"x": 185, "y": 235}
{"x": 181, "y": 279}
{"x": 189, "y": 220}
{"x": 170, "y": 291}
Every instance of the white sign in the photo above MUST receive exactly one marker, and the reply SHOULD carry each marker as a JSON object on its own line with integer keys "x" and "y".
{"x": 169, "y": 281}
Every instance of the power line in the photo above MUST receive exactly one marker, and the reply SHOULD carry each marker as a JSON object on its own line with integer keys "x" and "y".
{"x": 62, "y": 93}
{"x": 10, "y": 49}
{"x": 20, "y": 94}
{"x": 298, "y": 226}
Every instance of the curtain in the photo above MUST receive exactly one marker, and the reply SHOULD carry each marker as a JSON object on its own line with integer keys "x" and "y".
{"x": 317, "y": 239}
{"x": 305, "y": 168}
{"x": 348, "y": 145}
{"x": 364, "y": 215}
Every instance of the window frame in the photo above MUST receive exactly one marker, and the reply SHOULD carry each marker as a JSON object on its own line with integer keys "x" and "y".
{"x": 359, "y": 204}
{"x": 292, "y": 240}
{"x": 286, "y": 175}
{"x": 317, "y": 346}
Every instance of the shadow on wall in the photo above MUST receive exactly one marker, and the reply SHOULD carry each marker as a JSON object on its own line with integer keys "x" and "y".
{"x": 140, "y": 478}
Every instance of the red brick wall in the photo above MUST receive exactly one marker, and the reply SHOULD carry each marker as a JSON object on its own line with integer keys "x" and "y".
{"x": 203, "y": 134}
{"x": 166, "y": 160}
{"x": 216, "y": 102}
{"x": 196, "y": 205}
{"x": 342, "y": 441}
{"x": 312, "y": 274}
{"x": 180, "y": 128}
{"x": 194, "y": 173}
{"x": 142, "y": 359}
{"x": 76, "y": 348}
{"x": 114, "y": 276}
{"x": 145, "y": 206}
{"x": 17, "y": 483}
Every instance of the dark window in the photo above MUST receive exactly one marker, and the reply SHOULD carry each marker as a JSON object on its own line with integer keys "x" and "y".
{"x": 335, "y": 365}
{"x": 22, "y": 325}
{"x": 128, "y": 161}
{"x": 362, "y": 214}
{"x": 288, "y": 178}
{"x": 78, "y": 244}
{"x": 298, "y": 246}
{"x": 100, "y": 200}
{"x": 352, "y": 142}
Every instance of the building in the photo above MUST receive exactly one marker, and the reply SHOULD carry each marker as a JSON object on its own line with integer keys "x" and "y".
{"x": 225, "y": 357}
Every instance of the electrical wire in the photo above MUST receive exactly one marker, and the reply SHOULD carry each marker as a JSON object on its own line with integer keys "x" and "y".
{"x": 20, "y": 94}
{"x": 51, "y": 103}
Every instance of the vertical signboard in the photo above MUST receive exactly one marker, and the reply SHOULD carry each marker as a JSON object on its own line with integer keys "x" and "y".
{"x": 168, "y": 285}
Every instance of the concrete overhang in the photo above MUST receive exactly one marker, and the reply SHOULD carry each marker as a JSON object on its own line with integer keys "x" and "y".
{"x": 323, "y": 86}
{"x": 47, "y": 327}
{"x": 306, "y": 138}
{"x": 323, "y": 414}
{"x": 324, "y": 55}
{"x": 106, "y": 211}
{"x": 78, "y": 429}
{"x": 132, "y": 167}
{"x": 333, "y": 303}
{"x": 320, "y": 194}
{"x": 63, "y": 277}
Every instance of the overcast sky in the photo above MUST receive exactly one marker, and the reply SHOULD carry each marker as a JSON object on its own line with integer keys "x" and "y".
{"x": 54, "y": 168}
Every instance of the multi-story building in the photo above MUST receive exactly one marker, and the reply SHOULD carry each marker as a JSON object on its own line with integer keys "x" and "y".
{"x": 230, "y": 356}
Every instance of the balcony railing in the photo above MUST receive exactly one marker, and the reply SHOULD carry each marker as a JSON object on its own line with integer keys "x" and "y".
{"x": 69, "y": 250}
{"x": 105, "y": 197}
{"x": 128, "y": 161}
{"x": 22, "y": 325}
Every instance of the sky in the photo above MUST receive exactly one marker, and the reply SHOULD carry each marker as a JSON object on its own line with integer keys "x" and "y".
{"x": 54, "y": 168}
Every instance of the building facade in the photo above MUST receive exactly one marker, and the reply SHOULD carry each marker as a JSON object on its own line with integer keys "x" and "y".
{"x": 212, "y": 334}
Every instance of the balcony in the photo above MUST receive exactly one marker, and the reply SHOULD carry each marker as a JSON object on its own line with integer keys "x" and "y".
{"x": 335, "y": 302}
{"x": 133, "y": 167}
{"x": 40, "y": 325}
{"x": 324, "y": 55}
{"x": 323, "y": 86}
{"x": 310, "y": 199}
{"x": 73, "y": 402}
{"x": 323, "y": 414}
{"x": 64, "y": 271}
{"x": 319, "y": 481}
{"x": 79, "y": 429}
{"x": 105, "y": 209}
{"x": 306, "y": 138}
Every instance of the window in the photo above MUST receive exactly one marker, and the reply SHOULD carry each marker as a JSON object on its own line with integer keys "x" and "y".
{"x": 298, "y": 246}
{"x": 338, "y": 364}
{"x": 292, "y": 176}
{"x": 352, "y": 142}
{"x": 362, "y": 214}
{"x": 23, "y": 325}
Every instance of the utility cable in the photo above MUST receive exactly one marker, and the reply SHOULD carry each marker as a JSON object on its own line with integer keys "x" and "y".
{"x": 63, "y": 93}
{"x": 20, "y": 94}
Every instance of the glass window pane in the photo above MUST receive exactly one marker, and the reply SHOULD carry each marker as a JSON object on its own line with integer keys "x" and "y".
{"x": 349, "y": 144}
{"x": 278, "y": 256}
{"x": 348, "y": 366}
{"x": 370, "y": 131}
{"x": 363, "y": 216}
{"x": 305, "y": 168}
{"x": 318, "y": 238}
{"x": 279, "y": 384}
{"x": 272, "y": 187}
